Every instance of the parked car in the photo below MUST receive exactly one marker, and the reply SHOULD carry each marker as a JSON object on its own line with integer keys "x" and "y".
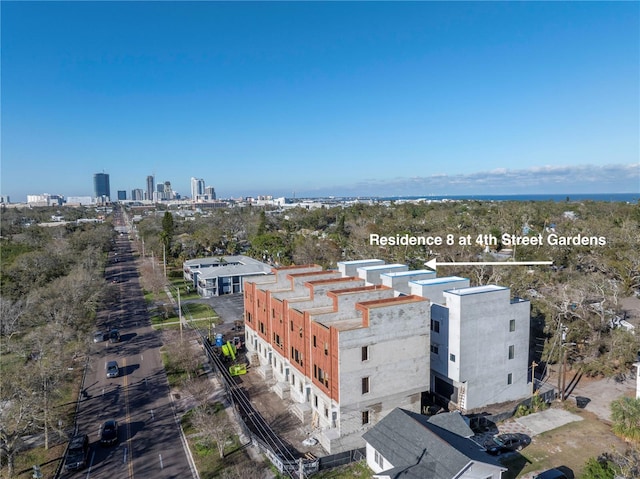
{"x": 114, "y": 336}
{"x": 551, "y": 474}
{"x": 77, "y": 453}
{"x": 113, "y": 371}
{"x": 100, "y": 336}
{"x": 109, "y": 433}
{"x": 506, "y": 443}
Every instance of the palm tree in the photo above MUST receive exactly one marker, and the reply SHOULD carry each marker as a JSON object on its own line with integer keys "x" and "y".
{"x": 625, "y": 414}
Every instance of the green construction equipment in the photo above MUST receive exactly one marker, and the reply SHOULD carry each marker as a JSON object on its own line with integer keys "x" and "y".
{"x": 238, "y": 369}
{"x": 229, "y": 351}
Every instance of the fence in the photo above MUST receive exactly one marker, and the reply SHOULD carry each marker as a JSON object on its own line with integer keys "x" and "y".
{"x": 342, "y": 458}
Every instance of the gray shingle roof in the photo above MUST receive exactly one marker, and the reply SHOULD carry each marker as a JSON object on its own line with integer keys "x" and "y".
{"x": 420, "y": 447}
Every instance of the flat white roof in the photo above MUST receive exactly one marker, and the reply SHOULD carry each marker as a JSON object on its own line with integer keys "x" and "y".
{"x": 409, "y": 273}
{"x": 358, "y": 261}
{"x": 382, "y": 266}
{"x": 444, "y": 279}
{"x": 477, "y": 289}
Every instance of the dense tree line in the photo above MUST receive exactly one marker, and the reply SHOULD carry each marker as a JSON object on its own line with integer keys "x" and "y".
{"x": 577, "y": 298}
{"x": 52, "y": 284}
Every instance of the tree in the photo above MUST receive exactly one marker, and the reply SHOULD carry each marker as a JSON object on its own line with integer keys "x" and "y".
{"x": 20, "y": 405}
{"x": 11, "y": 313}
{"x": 213, "y": 425}
{"x": 262, "y": 225}
{"x": 166, "y": 236}
{"x": 625, "y": 414}
{"x": 598, "y": 469}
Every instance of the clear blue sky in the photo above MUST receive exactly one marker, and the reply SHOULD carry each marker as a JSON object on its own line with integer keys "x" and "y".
{"x": 321, "y": 98}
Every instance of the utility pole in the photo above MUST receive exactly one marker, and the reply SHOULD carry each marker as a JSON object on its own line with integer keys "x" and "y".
{"x": 164, "y": 260}
{"x": 560, "y": 363}
{"x": 564, "y": 372}
{"x": 533, "y": 377}
{"x": 179, "y": 313}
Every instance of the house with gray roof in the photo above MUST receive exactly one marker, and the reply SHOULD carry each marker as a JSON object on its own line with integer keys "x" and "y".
{"x": 409, "y": 445}
{"x": 216, "y": 276}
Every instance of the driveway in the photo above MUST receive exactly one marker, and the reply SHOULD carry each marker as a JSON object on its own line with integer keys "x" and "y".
{"x": 602, "y": 392}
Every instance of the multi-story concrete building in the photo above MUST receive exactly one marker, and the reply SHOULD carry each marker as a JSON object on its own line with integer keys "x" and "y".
{"x": 343, "y": 352}
{"x": 346, "y": 347}
{"x": 481, "y": 353}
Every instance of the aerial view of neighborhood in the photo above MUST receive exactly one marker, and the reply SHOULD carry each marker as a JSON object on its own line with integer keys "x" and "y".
{"x": 329, "y": 240}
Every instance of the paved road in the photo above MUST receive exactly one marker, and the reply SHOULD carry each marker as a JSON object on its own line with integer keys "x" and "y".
{"x": 150, "y": 444}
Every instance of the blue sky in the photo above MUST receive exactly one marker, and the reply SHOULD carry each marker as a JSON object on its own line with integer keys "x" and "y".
{"x": 330, "y": 98}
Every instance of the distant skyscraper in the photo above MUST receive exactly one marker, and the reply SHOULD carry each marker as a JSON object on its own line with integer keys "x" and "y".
{"x": 122, "y": 195}
{"x": 197, "y": 188}
{"x": 168, "y": 192}
{"x": 210, "y": 192}
{"x": 137, "y": 194}
{"x": 150, "y": 187}
{"x": 101, "y": 186}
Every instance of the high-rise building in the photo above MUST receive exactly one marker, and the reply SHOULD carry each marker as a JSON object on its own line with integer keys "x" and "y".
{"x": 101, "y": 186}
{"x": 197, "y": 188}
{"x": 122, "y": 195}
{"x": 165, "y": 192}
{"x": 168, "y": 192}
{"x": 150, "y": 187}
{"x": 210, "y": 192}
{"x": 137, "y": 194}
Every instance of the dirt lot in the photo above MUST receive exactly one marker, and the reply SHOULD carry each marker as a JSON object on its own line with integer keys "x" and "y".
{"x": 276, "y": 412}
{"x": 569, "y": 445}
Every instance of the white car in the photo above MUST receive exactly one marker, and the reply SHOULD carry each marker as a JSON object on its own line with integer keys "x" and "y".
{"x": 113, "y": 371}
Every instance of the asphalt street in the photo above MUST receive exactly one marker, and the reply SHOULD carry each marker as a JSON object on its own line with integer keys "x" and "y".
{"x": 150, "y": 442}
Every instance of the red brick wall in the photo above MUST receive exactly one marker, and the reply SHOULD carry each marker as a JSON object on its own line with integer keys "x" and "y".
{"x": 277, "y": 325}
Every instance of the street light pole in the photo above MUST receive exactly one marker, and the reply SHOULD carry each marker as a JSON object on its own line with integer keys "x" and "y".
{"x": 179, "y": 313}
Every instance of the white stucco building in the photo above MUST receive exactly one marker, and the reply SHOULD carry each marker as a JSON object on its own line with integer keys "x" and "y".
{"x": 216, "y": 276}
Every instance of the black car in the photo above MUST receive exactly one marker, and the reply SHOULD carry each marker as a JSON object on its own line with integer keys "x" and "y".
{"x": 506, "y": 443}
{"x": 114, "y": 336}
{"x": 77, "y": 453}
{"x": 109, "y": 433}
{"x": 551, "y": 474}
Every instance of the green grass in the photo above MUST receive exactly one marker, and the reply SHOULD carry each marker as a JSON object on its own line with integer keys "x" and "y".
{"x": 158, "y": 318}
{"x": 175, "y": 377}
{"x": 200, "y": 311}
{"x": 349, "y": 471}
{"x": 187, "y": 291}
{"x": 149, "y": 297}
{"x": 206, "y": 456}
{"x": 46, "y": 459}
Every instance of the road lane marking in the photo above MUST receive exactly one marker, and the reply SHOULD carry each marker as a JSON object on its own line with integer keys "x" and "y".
{"x": 93, "y": 455}
{"x": 125, "y": 381}
{"x": 161, "y": 464}
{"x": 152, "y": 415}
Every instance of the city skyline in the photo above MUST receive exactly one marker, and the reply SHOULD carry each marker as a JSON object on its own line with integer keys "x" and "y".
{"x": 319, "y": 99}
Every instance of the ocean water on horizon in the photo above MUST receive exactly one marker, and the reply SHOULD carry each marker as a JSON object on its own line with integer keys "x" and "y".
{"x": 610, "y": 197}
